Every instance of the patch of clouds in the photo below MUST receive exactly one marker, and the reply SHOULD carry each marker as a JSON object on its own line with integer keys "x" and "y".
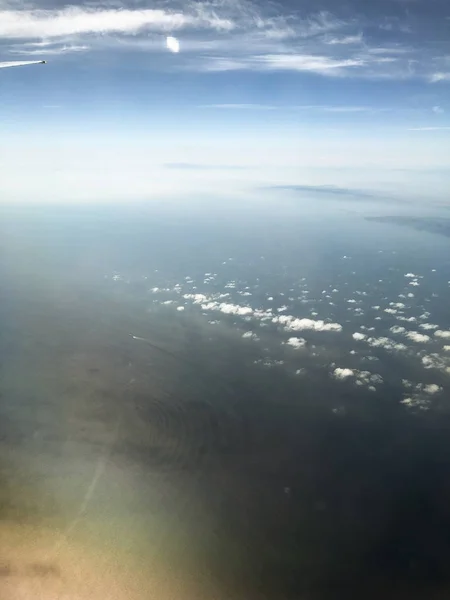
{"x": 446, "y": 348}
{"x": 428, "y": 326}
{"x": 224, "y": 35}
{"x": 361, "y": 378}
{"x": 180, "y": 308}
{"x": 435, "y": 361}
{"x": 420, "y": 399}
{"x": 417, "y": 402}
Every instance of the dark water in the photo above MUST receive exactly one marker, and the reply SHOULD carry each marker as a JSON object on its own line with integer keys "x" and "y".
{"x": 193, "y": 462}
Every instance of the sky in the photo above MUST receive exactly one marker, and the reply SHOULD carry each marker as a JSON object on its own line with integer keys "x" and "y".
{"x": 262, "y": 98}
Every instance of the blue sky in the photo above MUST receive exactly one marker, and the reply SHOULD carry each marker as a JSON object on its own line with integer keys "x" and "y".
{"x": 353, "y": 95}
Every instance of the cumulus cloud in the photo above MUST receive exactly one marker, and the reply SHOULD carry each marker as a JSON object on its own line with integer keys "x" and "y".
{"x": 420, "y": 399}
{"x": 416, "y": 402}
{"x": 428, "y": 326}
{"x": 249, "y": 335}
{"x": 434, "y": 361}
{"x": 397, "y": 329}
{"x": 293, "y": 324}
{"x": 417, "y": 337}
{"x": 296, "y": 342}
{"x": 440, "y": 333}
{"x": 358, "y": 336}
{"x": 341, "y": 374}
{"x": 432, "y": 388}
{"x": 386, "y": 343}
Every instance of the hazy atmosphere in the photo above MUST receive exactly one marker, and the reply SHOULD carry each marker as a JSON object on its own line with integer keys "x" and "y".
{"x": 224, "y": 300}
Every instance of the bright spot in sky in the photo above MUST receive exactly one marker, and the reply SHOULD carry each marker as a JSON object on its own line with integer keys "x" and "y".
{"x": 173, "y": 44}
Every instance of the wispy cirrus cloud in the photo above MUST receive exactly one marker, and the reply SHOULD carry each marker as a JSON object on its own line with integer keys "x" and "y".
{"x": 233, "y": 35}
{"x": 77, "y": 20}
{"x": 50, "y": 50}
{"x": 202, "y": 166}
{"x": 240, "y": 106}
{"x": 348, "y": 39}
{"x": 429, "y": 129}
{"x": 301, "y": 107}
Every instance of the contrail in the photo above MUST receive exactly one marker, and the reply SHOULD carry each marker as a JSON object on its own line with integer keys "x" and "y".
{"x": 20, "y": 63}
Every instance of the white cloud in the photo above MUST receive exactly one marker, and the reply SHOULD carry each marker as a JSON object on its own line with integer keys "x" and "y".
{"x": 77, "y": 20}
{"x": 439, "y": 76}
{"x": 442, "y": 334}
{"x": 359, "y": 336}
{"x": 296, "y": 342}
{"x": 362, "y": 378}
{"x": 432, "y": 388}
{"x": 293, "y": 324}
{"x": 397, "y": 329}
{"x": 348, "y": 39}
{"x": 410, "y": 275}
{"x": 434, "y": 361}
{"x": 197, "y": 298}
{"x": 417, "y": 337}
{"x": 428, "y": 326}
{"x": 416, "y": 402}
{"x": 386, "y": 343}
{"x": 429, "y": 129}
{"x": 240, "y": 106}
{"x": 249, "y": 335}
{"x": 343, "y": 373}
{"x": 391, "y": 311}
{"x": 50, "y": 50}
{"x": 446, "y": 348}
{"x": 321, "y": 64}
{"x": 180, "y": 308}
